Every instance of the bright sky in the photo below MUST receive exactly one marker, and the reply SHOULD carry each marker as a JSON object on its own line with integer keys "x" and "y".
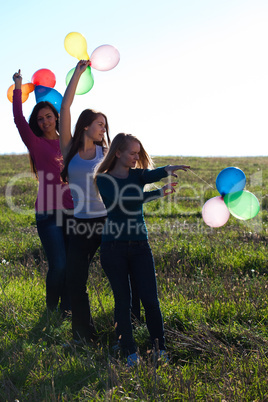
{"x": 192, "y": 79}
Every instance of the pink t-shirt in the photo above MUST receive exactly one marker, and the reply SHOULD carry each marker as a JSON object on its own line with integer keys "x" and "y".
{"x": 52, "y": 193}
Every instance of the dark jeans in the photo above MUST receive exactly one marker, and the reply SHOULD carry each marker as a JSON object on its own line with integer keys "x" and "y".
{"x": 85, "y": 239}
{"x": 51, "y": 227}
{"x": 119, "y": 260}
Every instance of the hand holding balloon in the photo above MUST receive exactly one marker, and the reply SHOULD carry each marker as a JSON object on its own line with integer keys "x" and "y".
{"x": 168, "y": 189}
{"x": 17, "y": 78}
{"x": 103, "y": 58}
{"x": 170, "y": 169}
{"x": 85, "y": 78}
{"x": 43, "y": 82}
{"x": 26, "y": 89}
{"x": 81, "y": 66}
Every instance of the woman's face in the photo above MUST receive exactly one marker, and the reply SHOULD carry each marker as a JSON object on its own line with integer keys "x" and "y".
{"x": 46, "y": 120}
{"x": 130, "y": 156}
{"x": 97, "y": 129}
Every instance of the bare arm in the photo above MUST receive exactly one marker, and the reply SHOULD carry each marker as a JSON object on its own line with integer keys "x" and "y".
{"x": 65, "y": 113}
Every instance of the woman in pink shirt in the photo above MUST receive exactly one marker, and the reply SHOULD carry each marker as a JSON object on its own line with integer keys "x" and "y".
{"x": 54, "y": 203}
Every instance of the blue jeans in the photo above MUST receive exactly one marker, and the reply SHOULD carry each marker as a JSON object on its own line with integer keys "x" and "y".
{"x": 119, "y": 260}
{"x": 51, "y": 227}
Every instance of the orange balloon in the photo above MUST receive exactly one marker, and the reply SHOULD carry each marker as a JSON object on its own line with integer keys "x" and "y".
{"x": 10, "y": 93}
{"x": 26, "y": 89}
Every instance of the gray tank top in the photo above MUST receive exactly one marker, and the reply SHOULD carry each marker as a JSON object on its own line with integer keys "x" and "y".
{"x": 87, "y": 202}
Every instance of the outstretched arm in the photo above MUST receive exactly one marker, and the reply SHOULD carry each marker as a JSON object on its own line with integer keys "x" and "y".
{"x": 153, "y": 175}
{"x": 65, "y": 113}
{"x": 170, "y": 169}
{"x": 161, "y": 192}
{"x": 168, "y": 189}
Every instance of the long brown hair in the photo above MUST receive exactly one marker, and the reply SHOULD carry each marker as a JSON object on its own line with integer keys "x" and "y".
{"x": 85, "y": 119}
{"x": 37, "y": 130}
{"x": 120, "y": 143}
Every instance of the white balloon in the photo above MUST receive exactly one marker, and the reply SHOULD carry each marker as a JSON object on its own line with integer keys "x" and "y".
{"x": 105, "y": 57}
{"x": 215, "y": 212}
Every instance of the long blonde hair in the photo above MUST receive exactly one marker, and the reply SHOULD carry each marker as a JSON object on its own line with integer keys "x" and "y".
{"x": 120, "y": 143}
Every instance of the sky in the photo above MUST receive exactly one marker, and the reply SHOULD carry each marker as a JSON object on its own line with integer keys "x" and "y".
{"x": 192, "y": 78}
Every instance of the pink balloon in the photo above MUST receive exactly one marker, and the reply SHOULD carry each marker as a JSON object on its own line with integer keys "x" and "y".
{"x": 215, "y": 213}
{"x": 105, "y": 57}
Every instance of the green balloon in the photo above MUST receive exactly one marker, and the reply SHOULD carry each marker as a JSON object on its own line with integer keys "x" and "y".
{"x": 85, "y": 82}
{"x": 242, "y": 204}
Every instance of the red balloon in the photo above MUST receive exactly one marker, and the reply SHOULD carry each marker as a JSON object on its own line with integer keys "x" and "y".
{"x": 44, "y": 77}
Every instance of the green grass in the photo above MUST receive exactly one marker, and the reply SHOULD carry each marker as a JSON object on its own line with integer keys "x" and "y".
{"x": 213, "y": 291}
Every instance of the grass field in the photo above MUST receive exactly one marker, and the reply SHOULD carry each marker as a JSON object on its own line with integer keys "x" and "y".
{"x": 213, "y": 291}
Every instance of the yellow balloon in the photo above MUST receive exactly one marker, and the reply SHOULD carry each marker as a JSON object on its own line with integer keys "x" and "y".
{"x": 76, "y": 45}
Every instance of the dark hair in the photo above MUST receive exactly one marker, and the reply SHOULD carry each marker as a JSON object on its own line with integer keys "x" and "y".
{"x": 35, "y": 127}
{"x": 85, "y": 119}
{"x": 33, "y": 117}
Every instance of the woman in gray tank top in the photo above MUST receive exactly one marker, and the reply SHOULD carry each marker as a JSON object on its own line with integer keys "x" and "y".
{"x": 82, "y": 152}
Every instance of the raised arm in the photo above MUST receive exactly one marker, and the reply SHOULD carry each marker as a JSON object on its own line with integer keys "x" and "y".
{"x": 17, "y": 78}
{"x": 65, "y": 113}
{"x": 27, "y": 136}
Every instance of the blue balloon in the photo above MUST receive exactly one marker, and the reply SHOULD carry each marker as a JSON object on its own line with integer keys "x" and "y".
{"x": 48, "y": 94}
{"x": 230, "y": 180}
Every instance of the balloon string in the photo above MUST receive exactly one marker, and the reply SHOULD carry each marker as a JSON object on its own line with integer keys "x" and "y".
{"x": 201, "y": 178}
